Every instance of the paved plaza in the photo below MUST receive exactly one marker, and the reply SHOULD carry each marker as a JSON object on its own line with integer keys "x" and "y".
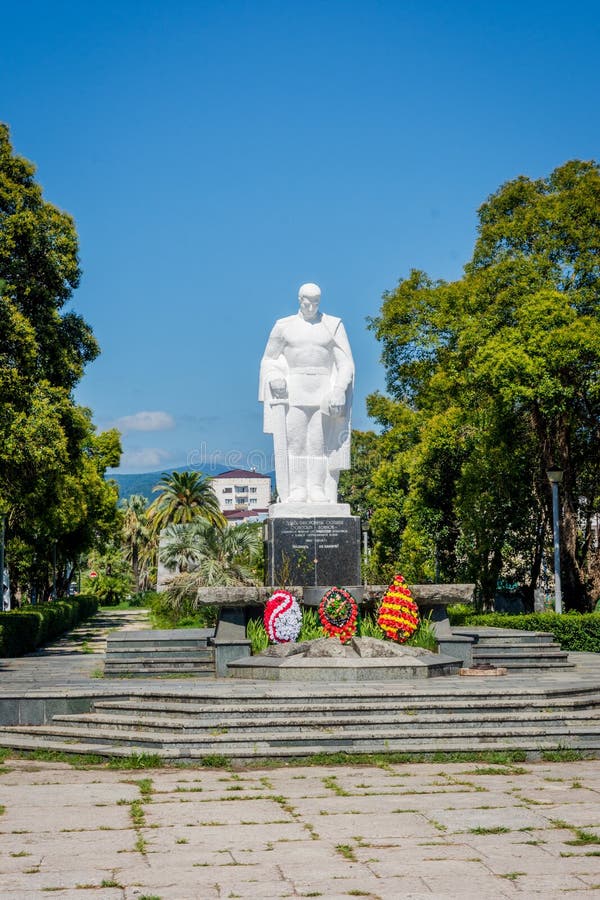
{"x": 397, "y": 831}
{"x": 411, "y": 830}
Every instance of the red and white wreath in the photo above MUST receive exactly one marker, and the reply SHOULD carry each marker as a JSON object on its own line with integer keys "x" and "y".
{"x": 283, "y": 617}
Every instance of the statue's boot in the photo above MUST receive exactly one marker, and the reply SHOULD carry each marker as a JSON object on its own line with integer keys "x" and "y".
{"x": 317, "y": 475}
{"x": 298, "y": 467}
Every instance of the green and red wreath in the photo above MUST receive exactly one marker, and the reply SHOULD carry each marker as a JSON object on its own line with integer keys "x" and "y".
{"x": 338, "y": 612}
{"x": 398, "y": 613}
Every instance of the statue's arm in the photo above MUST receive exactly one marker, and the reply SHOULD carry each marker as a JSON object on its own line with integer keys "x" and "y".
{"x": 344, "y": 365}
{"x": 271, "y": 368}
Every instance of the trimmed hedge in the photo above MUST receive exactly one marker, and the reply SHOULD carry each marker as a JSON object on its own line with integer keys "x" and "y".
{"x": 573, "y": 631}
{"x": 22, "y": 630}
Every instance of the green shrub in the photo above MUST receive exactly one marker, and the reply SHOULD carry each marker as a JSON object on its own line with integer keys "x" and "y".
{"x": 424, "y": 636}
{"x": 163, "y": 614}
{"x": 22, "y": 630}
{"x": 573, "y": 631}
{"x": 257, "y": 635}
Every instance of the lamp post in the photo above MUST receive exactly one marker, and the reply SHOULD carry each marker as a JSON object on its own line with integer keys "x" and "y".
{"x": 2, "y": 533}
{"x": 555, "y": 477}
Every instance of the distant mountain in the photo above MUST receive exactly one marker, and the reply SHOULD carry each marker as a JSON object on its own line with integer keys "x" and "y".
{"x": 144, "y": 482}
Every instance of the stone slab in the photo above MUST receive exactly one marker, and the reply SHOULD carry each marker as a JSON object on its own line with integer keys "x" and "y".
{"x": 313, "y": 551}
{"x": 335, "y": 669}
{"x": 309, "y": 510}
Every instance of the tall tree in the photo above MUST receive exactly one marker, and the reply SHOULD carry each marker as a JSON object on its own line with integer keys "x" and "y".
{"x": 136, "y": 534}
{"x": 52, "y": 462}
{"x": 501, "y": 371}
{"x": 205, "y": 555}
{"x": 184, "y": 497}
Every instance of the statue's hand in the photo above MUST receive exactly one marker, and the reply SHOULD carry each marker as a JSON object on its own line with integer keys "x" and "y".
{"x": 337, "y": 403}
{"x": 278, "y": 388}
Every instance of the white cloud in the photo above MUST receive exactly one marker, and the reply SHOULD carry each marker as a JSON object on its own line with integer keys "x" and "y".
{"x": 146, "y": 421}
{"x": 147, "y": 458}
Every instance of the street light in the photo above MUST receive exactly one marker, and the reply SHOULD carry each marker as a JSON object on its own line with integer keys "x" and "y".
{"x": 555, "y": 477}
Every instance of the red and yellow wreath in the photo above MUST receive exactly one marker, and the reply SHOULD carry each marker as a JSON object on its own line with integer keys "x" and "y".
{"x": 338, "y": 612}
{"x": 398, "y": 614}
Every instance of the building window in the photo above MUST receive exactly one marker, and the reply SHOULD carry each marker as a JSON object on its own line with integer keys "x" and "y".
{"x": 227, "y": 490}
{"x": 240, "y": 489}
{"x": 228, "y": 502}
{"x": 253, "y": 500}
{"x": 252, "y": 490}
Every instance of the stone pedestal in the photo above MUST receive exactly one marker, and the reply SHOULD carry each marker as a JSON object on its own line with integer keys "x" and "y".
{"x": 313, "y": 550}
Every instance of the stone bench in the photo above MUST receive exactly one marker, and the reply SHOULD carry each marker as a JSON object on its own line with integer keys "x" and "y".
{"x": 230, "y": 641}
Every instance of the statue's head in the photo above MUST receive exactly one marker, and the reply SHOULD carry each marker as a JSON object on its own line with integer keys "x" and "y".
{"x": 309, "y": 297}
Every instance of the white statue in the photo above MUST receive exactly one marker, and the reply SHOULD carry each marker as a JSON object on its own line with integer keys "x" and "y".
{"x": 306, "y": 382}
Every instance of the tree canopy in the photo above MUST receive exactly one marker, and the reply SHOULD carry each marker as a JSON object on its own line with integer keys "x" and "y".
{"x": 52, "y": 461}
{"x": 182, "y": 498}
{"x": 492, "y": 380}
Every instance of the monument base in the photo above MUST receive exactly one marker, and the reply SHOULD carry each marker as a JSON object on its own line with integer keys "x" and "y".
{"x": 313, "y": 550}
{"x": 309, "y": 510}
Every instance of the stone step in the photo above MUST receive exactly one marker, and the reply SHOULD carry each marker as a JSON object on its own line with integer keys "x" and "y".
{"x": 166, "y": 651}
{"x": 504, "y": 635}
{"x": 165, "y": 635}
{"x": 519, "y": 649}
{"x": 382, "y": 740}
{"x": 533, "y": 747}
{"x": 156, "y": 646}
{"x": 510, "y": 639}
{"x": 284, "y": 706}
{"x": 158, "y": 668}
{"x": 525, "y": 664}
{"x": 248, "y": 725}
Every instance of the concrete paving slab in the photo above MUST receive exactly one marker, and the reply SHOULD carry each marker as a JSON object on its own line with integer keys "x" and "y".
{"x": 361, "y": 845}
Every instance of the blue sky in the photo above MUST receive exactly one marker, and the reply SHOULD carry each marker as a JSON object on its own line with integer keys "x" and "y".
{"x": 215, "y": 155}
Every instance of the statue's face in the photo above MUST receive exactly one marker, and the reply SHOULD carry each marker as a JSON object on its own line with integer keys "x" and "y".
{"x": 309, "y": 305}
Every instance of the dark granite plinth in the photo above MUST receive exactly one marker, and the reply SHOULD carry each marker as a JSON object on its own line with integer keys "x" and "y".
{"x": 313, "y": 551}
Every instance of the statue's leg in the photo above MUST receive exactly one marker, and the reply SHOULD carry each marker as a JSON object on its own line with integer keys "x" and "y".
{"x": 297, "y": 421}
{"x": 317, "y": 463}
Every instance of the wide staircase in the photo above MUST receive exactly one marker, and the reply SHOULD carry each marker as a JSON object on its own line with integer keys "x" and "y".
{"x": 148, "y": 653}
{"x": 516, "y": 651}
{"x": 263, "y": 723}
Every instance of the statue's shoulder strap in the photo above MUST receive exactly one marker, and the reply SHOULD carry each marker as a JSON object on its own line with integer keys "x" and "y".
{"x": 331, "y": 322}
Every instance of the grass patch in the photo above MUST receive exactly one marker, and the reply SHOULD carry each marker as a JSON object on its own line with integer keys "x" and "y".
{"x": 140, "y": 845}
{"x": 331, "y": 783}
{"x": 136, "y": 812}
{"x": 346, "y": 851}
{"x": 136, "y": 761}
{"x": 146, "y": 788}
{"x": 215, "y": 761}
{"x": 562, "y": 755}
{"x": 494, "y": 829}
{"x": 583, "y": 837}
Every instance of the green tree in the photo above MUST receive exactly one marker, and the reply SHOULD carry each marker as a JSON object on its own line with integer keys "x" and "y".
{"x": 52, "y": 462}
{"x": 184, "y": 497}
{"x": 204, "y": 555}
{"x": 500, "y": 372}
{"x": 137, "y": 536}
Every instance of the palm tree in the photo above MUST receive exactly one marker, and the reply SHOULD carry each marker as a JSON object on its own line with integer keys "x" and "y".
{"x": 181, "y": 546}
{"x": 136, "y": 533}
{"x": 206, "y": 556}
{"x": 184, "y": 497}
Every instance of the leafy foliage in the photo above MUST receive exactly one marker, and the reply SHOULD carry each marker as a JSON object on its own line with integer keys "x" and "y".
{"x": 52, "y": 462}
{"x": 21, "y": 631}
{"x": 492, "y": 380}
{"x": 206, "y": 555}
{"x": 574, "y": 631}
{"x": 184, "y": 497}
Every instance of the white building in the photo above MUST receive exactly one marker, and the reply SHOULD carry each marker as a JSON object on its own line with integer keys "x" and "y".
{"x": 242, "y": 495}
